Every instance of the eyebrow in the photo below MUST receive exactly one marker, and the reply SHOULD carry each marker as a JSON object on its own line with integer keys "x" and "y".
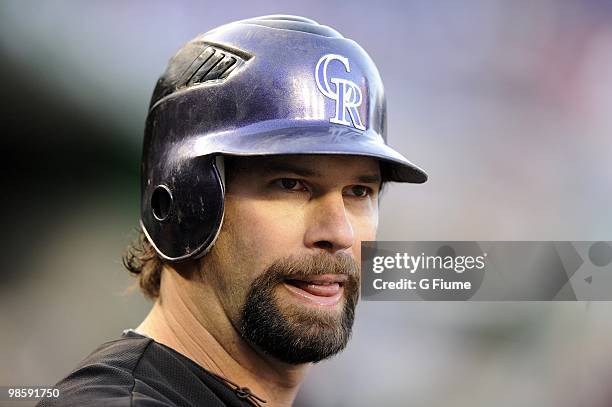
{"x": 285, "y": 167}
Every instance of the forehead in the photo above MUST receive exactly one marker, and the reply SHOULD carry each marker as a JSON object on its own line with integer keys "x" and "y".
{"x": 328, "y": 166}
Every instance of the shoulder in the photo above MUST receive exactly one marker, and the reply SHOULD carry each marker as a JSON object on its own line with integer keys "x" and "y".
{"x": 137, "y": 371}
{"x": 106, "y": 377}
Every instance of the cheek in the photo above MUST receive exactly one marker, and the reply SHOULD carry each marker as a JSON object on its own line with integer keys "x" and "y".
{"x": 264, "y": 231}
{"x": 364, "y": 230}
{"x": 254, "y": 234}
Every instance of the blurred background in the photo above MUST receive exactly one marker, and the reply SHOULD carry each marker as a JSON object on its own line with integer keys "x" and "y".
{"x": 507, "y": 105}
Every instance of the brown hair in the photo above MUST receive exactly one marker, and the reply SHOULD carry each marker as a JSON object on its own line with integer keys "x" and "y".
{"x": 143, "y": 262}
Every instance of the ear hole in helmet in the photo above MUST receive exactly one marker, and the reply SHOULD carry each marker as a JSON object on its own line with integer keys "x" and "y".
{"x": 161, "y": 202}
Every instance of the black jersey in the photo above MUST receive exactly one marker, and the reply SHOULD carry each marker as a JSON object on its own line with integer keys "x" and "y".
{"x": 137, "y": 371}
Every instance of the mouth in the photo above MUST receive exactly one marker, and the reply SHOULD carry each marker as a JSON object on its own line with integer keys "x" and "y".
{"x": 324, "y": 290}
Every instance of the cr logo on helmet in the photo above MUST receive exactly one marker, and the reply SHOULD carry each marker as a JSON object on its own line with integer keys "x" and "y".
{"x": 346, "y": 93}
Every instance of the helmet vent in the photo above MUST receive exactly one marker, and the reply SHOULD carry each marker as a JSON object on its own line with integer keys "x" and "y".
{"x": 212, "y": 64}
{"x": 204, "y": 62}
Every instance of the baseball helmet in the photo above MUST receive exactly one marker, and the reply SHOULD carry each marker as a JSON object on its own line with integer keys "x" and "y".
{"x": 263, "y": 86}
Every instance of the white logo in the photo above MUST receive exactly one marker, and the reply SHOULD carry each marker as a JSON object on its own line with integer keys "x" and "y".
{"x": 346, "y": 93}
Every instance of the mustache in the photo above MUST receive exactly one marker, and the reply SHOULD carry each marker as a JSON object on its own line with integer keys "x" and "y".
{"x": 313, "y": 265}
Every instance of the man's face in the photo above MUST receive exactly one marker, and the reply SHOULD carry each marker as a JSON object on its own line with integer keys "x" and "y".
{"x": 285, "y": 265}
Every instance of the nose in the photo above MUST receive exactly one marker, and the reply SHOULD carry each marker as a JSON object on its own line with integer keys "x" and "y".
{"x": 328, "y": 225}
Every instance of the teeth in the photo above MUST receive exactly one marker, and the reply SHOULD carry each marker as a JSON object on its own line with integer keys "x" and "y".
{"x": 321, "y": 283}
{"x": 318, "y": 282}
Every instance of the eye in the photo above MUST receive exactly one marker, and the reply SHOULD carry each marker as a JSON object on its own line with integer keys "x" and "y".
{"x": 359, "y": 191}
{"x": 290, "y": 184}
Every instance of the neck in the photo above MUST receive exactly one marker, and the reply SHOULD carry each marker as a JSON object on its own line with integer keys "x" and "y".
{"x": 188, "y": 318}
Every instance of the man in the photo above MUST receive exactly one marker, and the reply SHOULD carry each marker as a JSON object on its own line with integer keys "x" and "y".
{"x": 263, "y": 161}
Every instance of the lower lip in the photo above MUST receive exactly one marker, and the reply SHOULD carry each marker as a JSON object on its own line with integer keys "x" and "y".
{"x": 313, "y": 299}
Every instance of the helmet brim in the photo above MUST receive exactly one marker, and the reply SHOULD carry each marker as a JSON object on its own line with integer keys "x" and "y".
{"x": 314, "y": 139}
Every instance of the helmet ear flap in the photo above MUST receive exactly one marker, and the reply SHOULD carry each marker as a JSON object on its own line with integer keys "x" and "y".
{"x": 220, "y": 164}
{"x": 182, "y": 210}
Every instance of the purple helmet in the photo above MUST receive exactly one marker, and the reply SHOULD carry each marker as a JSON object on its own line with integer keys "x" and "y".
{"x": 263, "y": 86}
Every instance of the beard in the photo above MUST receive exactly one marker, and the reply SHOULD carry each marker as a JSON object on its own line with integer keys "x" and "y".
{"x": 299, "y": 334}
